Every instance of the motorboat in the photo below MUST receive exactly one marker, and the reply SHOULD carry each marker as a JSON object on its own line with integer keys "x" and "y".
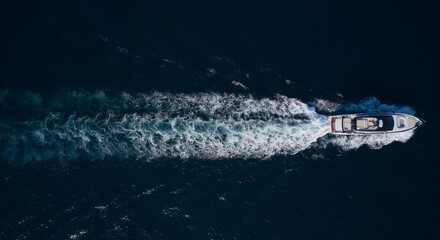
{"x": 373, "y": 123}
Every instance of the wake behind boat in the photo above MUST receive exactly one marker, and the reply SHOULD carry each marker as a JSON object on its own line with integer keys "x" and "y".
{"x": 373, "y": 123}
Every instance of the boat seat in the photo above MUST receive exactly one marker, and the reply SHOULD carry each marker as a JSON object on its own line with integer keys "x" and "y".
{"x": 361, "y": 123}
{"x": 338, "y": 124}
{"x": 380, "y": 123}
{"x": 347, "y": 124}
{"x": 372, "y": 122}
{"x": 401, "y": 123}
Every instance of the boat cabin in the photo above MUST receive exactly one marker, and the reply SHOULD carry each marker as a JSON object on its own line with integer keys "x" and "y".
{"x": 362, "y": 124}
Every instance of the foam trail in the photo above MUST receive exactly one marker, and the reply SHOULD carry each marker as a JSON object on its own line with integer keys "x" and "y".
{"x": 346, "y": 143}
{"x": 82, "y": 124}
{"x": 160, "y": 125}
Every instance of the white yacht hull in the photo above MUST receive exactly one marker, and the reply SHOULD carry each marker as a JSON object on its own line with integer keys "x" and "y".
{"x": 373, "y": 123}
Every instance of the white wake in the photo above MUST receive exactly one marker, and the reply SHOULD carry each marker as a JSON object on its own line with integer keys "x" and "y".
{"x": 80, "y": 124}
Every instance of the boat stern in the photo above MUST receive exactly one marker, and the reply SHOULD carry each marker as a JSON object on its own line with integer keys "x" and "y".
{"x": 341, "y": 124}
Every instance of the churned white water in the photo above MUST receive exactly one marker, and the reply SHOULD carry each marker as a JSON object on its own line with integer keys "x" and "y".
{"x": 80, "y": 124}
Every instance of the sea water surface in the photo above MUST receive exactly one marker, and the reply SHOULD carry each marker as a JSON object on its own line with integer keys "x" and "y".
{"x": 209, "y": 120}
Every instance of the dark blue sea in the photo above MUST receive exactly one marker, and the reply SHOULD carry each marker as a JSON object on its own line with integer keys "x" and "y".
{"x": 209, "y": 119}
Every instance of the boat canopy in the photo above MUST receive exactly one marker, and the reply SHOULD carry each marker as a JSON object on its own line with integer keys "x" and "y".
{"x": 381, "y": 123}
